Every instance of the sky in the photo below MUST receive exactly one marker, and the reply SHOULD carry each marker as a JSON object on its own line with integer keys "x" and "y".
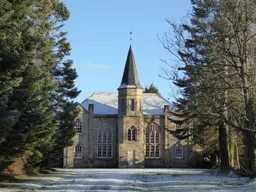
{"x": 99, "y": 33}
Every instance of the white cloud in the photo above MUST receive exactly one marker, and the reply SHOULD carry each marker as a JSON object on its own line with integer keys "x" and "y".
{"x": 98, "y": 66}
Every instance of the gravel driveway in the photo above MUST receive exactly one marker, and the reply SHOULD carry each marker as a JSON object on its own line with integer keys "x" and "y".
{"x": 131, "y": 180}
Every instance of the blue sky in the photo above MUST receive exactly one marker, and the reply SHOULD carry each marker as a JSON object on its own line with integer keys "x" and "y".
{"x": 99, "y": 32}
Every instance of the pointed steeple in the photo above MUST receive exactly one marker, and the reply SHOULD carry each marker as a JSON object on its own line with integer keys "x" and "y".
{"x": 130, "y": 75}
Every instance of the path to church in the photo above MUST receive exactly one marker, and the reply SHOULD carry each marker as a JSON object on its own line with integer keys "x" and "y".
{"x": 132, "y": 180}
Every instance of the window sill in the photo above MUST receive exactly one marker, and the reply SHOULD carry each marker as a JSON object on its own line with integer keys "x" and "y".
{"x": 178, "y": 157}
{"x": 78, "y": 158}
{"x": 104, "y": 158}
{"x": 153, "y": 157}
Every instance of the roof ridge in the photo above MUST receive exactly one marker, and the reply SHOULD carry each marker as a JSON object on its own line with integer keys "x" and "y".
{"x": 87, "y": 98}
{"x": 164, "y": 99}
{"x": 159, "y": 96}
{"x": 104, "y": 92}
{"x": 152, "y": 93}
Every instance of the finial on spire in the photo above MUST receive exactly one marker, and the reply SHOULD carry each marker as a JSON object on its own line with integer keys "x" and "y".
{"x": 131, "y": 37}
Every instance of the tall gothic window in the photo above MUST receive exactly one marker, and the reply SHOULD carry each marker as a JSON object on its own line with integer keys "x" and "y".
{"x": 105, "y": 141}
{"x": 132, "y": 134}
{"x": 78, "y": 151}
{"x": 78, "y": 126}
{"x": 179, "y": 151}
{"x": 153, "y": 141}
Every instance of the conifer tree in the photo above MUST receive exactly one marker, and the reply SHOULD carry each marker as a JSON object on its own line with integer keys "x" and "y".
{"x": 222, "y": 89}
{"x": 14, "y": 57}
{"x": 202, "y": 103}
{"x": 33, "y": 93}
{"x": 67, "y": 110}
{"x": 151, "y": 89}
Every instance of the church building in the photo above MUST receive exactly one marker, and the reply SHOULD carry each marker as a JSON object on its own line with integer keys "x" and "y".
{"x": 127, "y": 128}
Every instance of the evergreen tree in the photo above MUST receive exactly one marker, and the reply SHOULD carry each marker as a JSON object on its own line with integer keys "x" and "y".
{"x": 202, "y": 101}
{"x": 151, "y": 89}
{"x": 36, "y": 85}
{"x": 14, "y": 57}
{"x": 35, "y": 124}
{"x": 222, "y": 58}
{"x": 67, "y": 110}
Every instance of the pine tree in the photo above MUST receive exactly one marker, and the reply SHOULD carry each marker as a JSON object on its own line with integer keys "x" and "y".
{"x": 67, "y": 109}
{"x": 222, "y": 90}
{"x": 14, "y": 56}
{"x": 202, "y": 101}
{"x": 151, "y": 89}
{"x": 32, "y": 48}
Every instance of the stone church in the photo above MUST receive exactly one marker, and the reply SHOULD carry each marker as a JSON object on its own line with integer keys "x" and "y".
{"x": 127, "y": 128}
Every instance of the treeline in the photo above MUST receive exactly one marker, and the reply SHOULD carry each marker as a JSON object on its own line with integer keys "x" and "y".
{"x": 216, "y": 73}
{"x": 37, "y": 111}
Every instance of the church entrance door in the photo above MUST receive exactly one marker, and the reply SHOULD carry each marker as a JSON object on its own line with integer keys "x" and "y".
{"x": 131, "y": 158}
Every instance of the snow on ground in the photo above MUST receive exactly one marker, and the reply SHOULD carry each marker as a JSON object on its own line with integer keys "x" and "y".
{"x": 132, "y": 180}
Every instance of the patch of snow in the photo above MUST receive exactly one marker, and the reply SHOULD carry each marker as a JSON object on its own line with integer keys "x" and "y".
{"x": 153, "y": 104}
{"x": 133, "y": 180}
{"x": 104, "y": 103}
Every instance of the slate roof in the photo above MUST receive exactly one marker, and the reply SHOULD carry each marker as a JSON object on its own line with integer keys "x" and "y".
{"x": 130, "y": 75}
{"x": 107, "y": 103}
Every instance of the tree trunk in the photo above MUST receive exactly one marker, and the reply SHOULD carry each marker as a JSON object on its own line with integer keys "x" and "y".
{"x": 231, "y": 149}
{"x": 223, "y": 144}
{"x": 249, "y": 137}
{"x": 237, "y": 157}
{"x": 250, "y": 153}
{"x": 223, "y": 132}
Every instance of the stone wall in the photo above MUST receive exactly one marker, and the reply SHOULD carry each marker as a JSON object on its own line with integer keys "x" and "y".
{"x": 124, "y": 149}
{"x": 172, "y": 160}
{"x": 81, "y": 139}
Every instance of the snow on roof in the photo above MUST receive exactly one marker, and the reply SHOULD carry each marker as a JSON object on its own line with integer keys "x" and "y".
{"x": 104, "y": 103}
{"x": 107, "y": 103}
{"x": 127, "y": 86}
{"x": 153, "y": 104}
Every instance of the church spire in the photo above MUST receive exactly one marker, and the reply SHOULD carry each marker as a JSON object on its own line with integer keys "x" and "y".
{"x": 130, "y": 75}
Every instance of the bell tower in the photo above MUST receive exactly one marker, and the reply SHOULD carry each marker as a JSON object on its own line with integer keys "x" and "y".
{"x": 130, "y": 90}
{"x": 130, "y": 117}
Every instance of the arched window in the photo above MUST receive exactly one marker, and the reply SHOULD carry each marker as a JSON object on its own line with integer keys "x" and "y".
{"x": 132, "y": 134}
{"x": 153, "y": 141}
{"x": 78, "y": 151}
{"x": 78, "y": 126}
{"x": 179, "y": 151}
{"x": 105, "y": 142}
